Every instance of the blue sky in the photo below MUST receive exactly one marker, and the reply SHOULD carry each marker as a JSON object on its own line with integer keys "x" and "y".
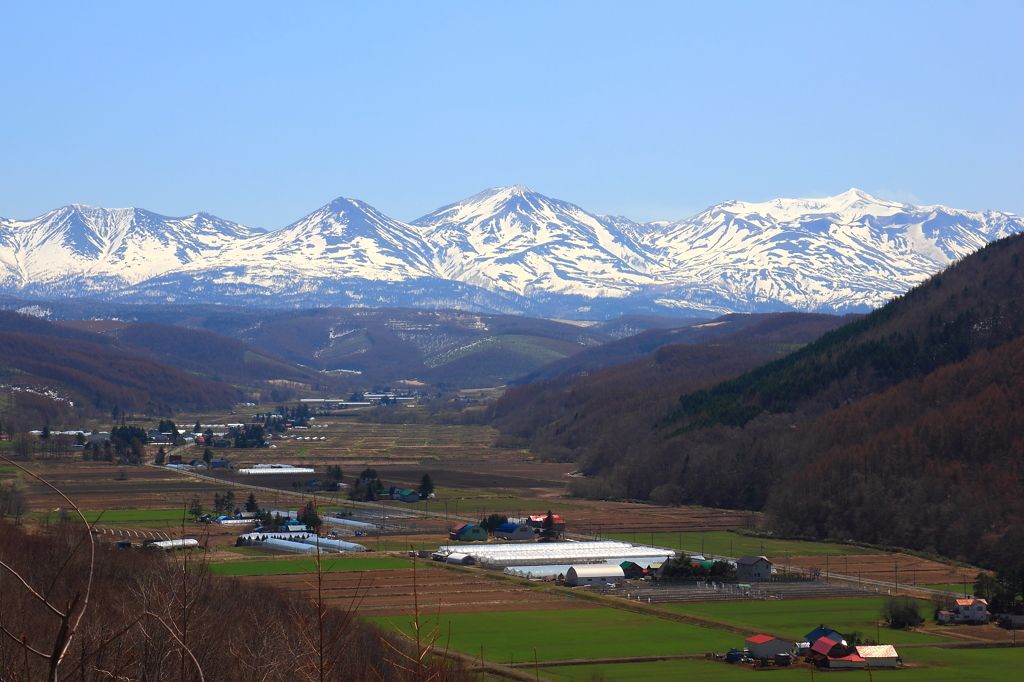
{"x": 261, "y": 112}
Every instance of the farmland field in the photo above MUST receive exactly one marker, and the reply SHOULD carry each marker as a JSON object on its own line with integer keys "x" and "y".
{"x": 137, "y": 515}
{"x": 395, "y": 592}
{"x": 559, "y": 635}
{"x": 957, "y": 588}
{"x": 724, "y": 543}
{"x": 796, "y": 617}
{"x": 908, "y": 570}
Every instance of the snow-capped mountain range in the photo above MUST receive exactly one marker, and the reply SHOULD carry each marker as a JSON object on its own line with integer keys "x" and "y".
{"x": 506, "y": 250}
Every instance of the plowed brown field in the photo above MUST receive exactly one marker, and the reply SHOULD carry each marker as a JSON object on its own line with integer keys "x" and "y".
{"x": 909, "y": 570}
{"x": 392, "y": 592}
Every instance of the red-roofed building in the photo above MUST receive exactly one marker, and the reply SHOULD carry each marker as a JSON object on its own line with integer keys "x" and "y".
{"x": 538, "y": 522}
{"x": 972, "y": 611}
{"x": 851, "y": 661}
{"x": 766, "y": 646}
{"x": 824, "y": 650}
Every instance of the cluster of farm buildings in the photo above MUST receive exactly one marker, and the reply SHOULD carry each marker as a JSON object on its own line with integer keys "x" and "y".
{"x": 823, "y": 647}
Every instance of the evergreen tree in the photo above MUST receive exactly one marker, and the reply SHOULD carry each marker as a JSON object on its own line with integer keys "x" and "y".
{"x": 309, "y": 517}
{"x": 160, "y": 455}
{"x": 548, "y": 530}
{"x": 195, "y": 507}
{"x": 491, "y": 523}
{"x": 207, "y": 455}
{"x": 250, "y": 504}
{"x": 426, "y": 486}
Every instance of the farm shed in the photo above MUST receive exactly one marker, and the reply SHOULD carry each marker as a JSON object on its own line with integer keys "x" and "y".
{"x": 459, "y": 559}
{"x": 632, "y": 570}
{"x": 511, "y": 531}
{"x": 468, "y": 532}
{"x": 880, "y": 656}
{"x": 753, "y": 568}
{"x": 593, "y": 574}
{"x": 221, "y": 464}
{"x": 409, "y": 496}
{"x": 766, "y": 646}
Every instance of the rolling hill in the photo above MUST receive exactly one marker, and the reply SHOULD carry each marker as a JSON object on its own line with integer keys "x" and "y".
{"x": 56, "y": 373}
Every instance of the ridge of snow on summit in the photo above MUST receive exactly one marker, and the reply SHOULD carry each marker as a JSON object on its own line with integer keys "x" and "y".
{"x": 507, "y": 250}
{"x": 514, "y": 239}
{"x": 347, "y": 238}
{"x": 85, "y": 248}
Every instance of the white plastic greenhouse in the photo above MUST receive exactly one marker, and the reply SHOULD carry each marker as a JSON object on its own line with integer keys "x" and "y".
{"x": 288, "y": 546}
{"x": 544, "y": 571}
{"x": 187, "y": 543}
{"x": 332, "y": 545}
{"x": 349, "y": 523}
{"x": 550, "y": 553}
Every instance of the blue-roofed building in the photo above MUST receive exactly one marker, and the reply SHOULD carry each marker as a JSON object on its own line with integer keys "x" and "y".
{"x": 512, "y": 531}
{"x": 822, "y": 631}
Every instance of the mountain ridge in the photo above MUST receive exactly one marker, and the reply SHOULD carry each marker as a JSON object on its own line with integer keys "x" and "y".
{"x": 505, "y": 250}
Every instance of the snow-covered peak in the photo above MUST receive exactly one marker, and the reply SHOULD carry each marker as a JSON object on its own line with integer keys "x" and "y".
{"x": 514, "y": 238}
{"x": 345, "y": 238}
{"x": 126, "y": 245}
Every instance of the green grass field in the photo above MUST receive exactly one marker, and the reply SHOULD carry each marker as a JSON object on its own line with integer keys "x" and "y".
{"x": 928, "y": 665}
{"x": 572, "y": 633}
{"x": 797, "y": 617}
{"x": 308, "y": 566}
{"x": 957, "y": 588}
{"x": 724, "y": 543}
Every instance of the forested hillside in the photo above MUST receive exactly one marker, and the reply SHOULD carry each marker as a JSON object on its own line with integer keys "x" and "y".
{"x": 897, "y": 428}
{"x": 84, "y": 373}
{"x": 55, "y": 375}
{"x": 768, "y": 334}
{"x": 575, "y": 416}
